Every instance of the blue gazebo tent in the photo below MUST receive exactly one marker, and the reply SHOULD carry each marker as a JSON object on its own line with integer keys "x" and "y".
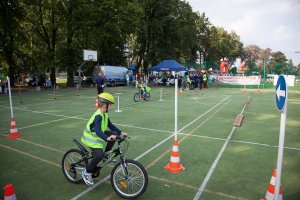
{"x": 168, "y": 65}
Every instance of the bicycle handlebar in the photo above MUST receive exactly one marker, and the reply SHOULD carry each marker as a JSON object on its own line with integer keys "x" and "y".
{"x": 122, "y": 138}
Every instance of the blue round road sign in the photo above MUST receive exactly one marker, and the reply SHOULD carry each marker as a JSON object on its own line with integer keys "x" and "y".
{"x": 281, "y": 91}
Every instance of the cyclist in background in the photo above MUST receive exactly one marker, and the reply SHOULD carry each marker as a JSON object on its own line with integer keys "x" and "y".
{"x": 142, "y": 88}
{"x": 95, "y": 135}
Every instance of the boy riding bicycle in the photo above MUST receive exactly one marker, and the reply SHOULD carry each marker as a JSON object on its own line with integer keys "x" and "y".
{"x": 142, "y": 88}
{"x": 95, "y": 134}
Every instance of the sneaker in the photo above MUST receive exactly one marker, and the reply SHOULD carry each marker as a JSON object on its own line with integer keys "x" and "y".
{"x": 87, "y": 177}
{"x": 106, "y": 157}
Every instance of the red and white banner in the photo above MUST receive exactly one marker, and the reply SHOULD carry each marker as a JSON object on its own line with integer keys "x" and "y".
{"x": 239, "y": 80}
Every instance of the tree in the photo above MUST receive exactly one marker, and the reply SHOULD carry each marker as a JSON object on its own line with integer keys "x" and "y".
{"x": 45, "y": 17}
{"x": 279, "y": 62}
{"x": 251, "y": 54}
{"x": 202, "y": 26}
{"x": 111, "y": 25}
{"x": 11, "y": 15}
{"x": 168, "y": 31}
{"x": 75, "y": 18}
{"x": 222, "y": 45}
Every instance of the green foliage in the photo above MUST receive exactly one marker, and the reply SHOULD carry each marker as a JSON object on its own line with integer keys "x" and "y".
{"x": 222, "y": 45}
{"x": 275, "y": 62}
{"x": 11, "y": 36}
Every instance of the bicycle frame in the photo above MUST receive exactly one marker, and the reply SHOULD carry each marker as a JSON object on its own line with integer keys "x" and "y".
{"x": 117, "y": 152}
{"x": 141, "y": 94}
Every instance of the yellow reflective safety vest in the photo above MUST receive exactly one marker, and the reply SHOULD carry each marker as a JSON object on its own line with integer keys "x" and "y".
{"x": 91, "y": 139}
{"x": 188, "y": 80}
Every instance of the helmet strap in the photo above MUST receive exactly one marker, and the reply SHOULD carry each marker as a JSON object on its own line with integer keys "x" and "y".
{"x": 106, "y": 107}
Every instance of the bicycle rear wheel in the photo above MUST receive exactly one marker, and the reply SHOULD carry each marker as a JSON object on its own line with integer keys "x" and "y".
{"x": 134, "y": 184}
{"x": 72, "y": 165}
{"x": 136, "y": 97}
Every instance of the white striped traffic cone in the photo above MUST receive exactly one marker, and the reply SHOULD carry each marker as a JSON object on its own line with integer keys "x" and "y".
{"x": 13, "y": 130}
{"x": 271, "y": 188}
{"x": 9, "y": 193}
{"x": 174, "y": 165}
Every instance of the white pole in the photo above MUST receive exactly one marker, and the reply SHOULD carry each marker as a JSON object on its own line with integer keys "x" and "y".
{"x": 280, "y": 147}
{"x": 176, "y": 105}
{"x": 11, "y": 109}
{"x": 118, "y": 103}
{"x": 160, "y": 96}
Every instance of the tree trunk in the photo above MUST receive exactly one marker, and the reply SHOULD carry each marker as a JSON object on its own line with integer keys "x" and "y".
{"x": 52, "y": 69}
{"x": 70, "y": 77}
{"x": 11, "y": 67}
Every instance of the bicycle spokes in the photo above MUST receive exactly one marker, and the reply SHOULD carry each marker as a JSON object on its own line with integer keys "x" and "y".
{"x": 129, "y": 179}
{"x": 72, "y": 165}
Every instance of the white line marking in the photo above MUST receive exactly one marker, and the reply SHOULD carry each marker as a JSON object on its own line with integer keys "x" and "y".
{"x": 43, "y": 123}
{"x": 143, "y": 128}
{"x": 203, "y": 114}
{"x": 90, "y": 188}
{"x": 201, "y": 189}
{"x": 245, "y": 105}
{"x": 212, "y": 168}
{"x": 29, "y": 155}
{"x": 45, "y": 113}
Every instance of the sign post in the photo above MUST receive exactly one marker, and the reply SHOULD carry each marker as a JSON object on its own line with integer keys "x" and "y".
{"x": 281, "y": 103}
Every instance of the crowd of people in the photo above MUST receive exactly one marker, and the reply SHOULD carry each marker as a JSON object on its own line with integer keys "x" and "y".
{"x": 193, "y": 80}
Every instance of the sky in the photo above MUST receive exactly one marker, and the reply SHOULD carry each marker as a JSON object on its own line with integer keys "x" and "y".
{"x": 273, "y": 24}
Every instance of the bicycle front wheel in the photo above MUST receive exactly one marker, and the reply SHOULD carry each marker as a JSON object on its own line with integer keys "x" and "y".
{"x": 72, "y": 165}
{"x": 136, "y": 97}
{"x": 129, "y": 180}
{"x": 147, "y": 96}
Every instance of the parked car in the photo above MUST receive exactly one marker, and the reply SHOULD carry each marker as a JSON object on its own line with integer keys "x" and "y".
{"x": 114, "y": 75}
{"x": 37, "y": 79}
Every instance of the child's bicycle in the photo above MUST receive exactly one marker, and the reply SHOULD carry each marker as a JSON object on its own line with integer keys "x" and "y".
{"x": 138, "y": 96}
{"x": 128, "y": 178}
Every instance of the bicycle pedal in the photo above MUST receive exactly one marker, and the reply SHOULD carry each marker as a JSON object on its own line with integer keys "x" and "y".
{"x": 96, "y": 174}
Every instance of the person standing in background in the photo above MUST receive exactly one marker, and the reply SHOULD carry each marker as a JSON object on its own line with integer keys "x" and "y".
{"x": 100, "y": 82}
{"x": 200, "y": 80}
{"x": 205, "y": 80}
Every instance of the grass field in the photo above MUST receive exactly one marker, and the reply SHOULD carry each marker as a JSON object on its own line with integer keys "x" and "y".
{"x": 47, "y": 123}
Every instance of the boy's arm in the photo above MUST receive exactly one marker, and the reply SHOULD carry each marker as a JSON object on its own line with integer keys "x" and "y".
{"x": 98, "y": 130}
{"x": 113, "y": 127}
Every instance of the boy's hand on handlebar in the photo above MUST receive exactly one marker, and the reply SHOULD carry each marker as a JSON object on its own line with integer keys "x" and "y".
{"x": 111, "y": 138}
{"x": 124, "y": 134}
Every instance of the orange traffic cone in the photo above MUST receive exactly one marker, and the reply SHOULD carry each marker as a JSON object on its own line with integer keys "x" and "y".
{"x": 97, "y": 104}
{"x": 271, "y": 188}
{"x": 258, "y": 90}
{"x": 244, "y": 90}
{"x": 13, "y": 130}
{"x": 9, "y": 193}
{"x": 174, "y": 165}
